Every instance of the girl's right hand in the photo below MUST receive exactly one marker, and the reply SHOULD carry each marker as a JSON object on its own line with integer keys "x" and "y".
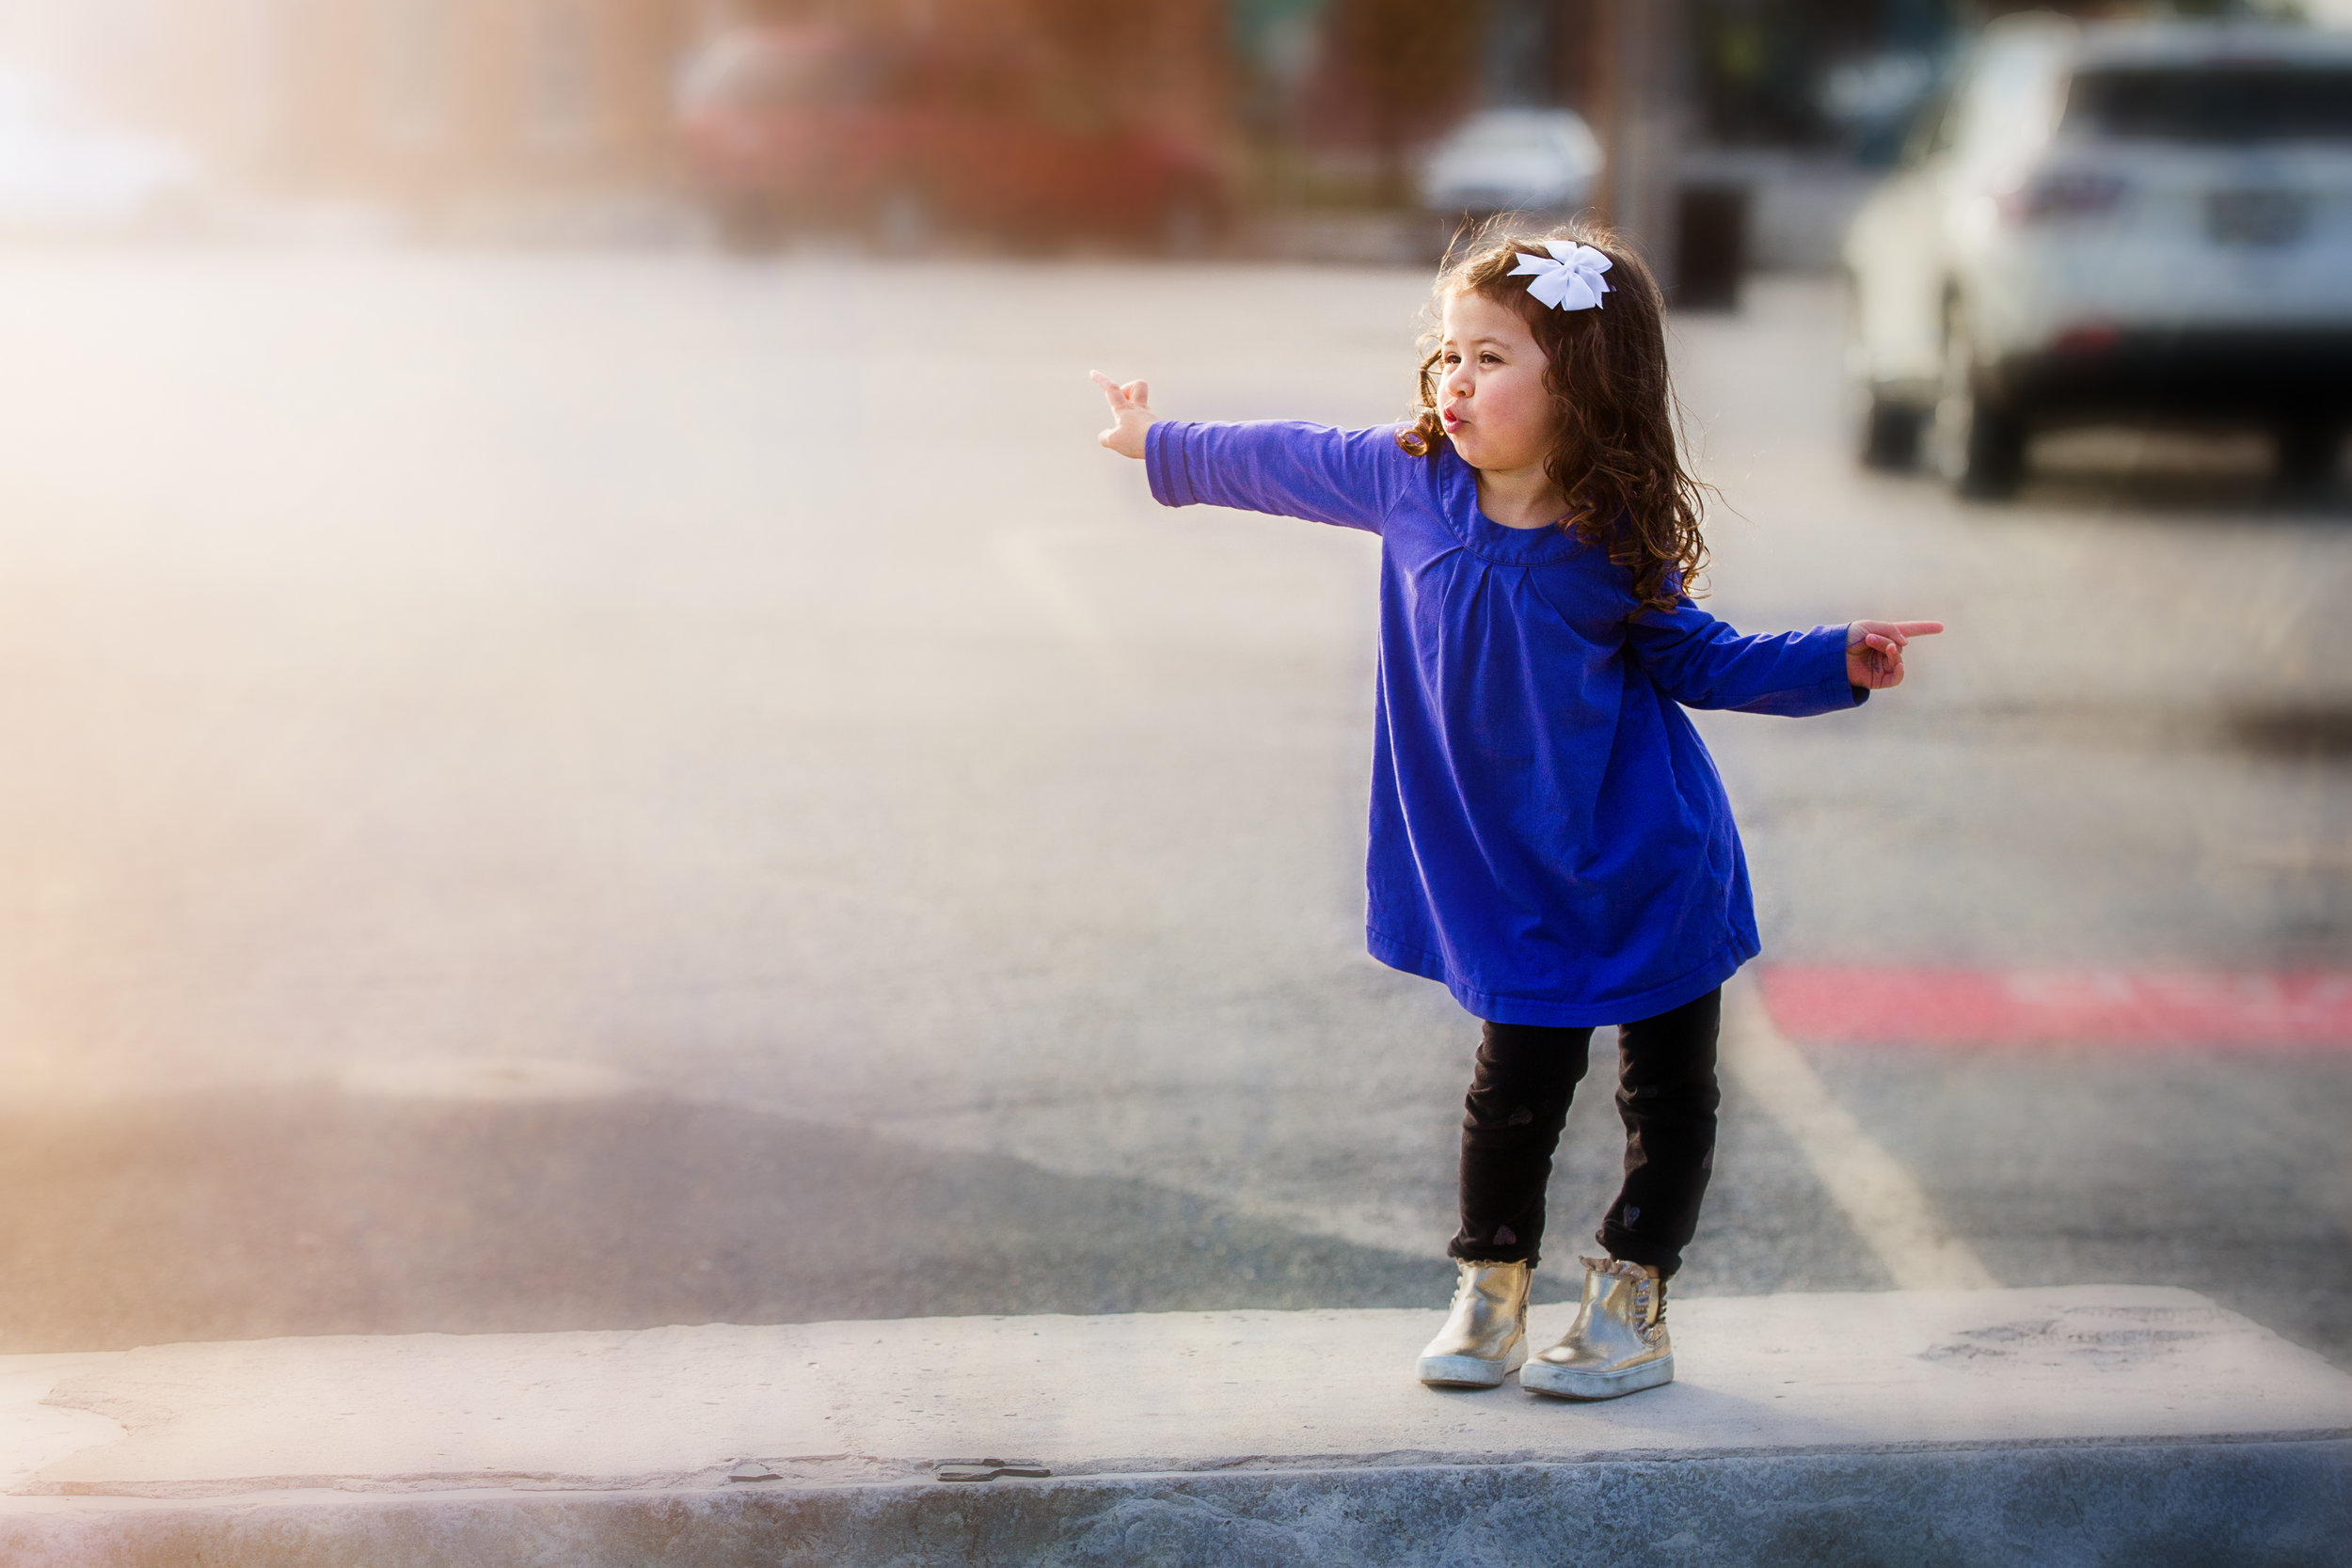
{"x": 1874, "y": 650}
{"x": 1131, "y": 414}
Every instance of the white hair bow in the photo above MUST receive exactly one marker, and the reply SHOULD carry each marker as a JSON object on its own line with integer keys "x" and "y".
{"x": 1568, "y": 279}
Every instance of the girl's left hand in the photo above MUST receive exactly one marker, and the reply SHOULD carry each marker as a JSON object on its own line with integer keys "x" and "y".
{"x": 1874, "y": 650}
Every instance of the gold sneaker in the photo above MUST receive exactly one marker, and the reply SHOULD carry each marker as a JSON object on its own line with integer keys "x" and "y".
{"x": 1484, "y": 1337}
{"x": 1617, "y": 1344}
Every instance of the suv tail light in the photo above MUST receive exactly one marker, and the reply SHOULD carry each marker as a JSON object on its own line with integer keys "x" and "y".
{"x": 2086, "y": 338}
{"x": 2050, "y": 196}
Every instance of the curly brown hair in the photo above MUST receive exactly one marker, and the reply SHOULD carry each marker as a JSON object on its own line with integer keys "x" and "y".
{"x": 1615, "y": 458}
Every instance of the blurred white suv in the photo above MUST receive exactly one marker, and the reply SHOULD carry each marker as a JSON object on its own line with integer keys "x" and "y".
{"x": 2112, "y": 221}
{"x": 1512, "y": 161}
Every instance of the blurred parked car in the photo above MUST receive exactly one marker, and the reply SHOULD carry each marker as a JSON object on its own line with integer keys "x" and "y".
{"x": 1536, "y": 161}
{"x": 2112, "y": 220}
{"x": 63, "y": 174}
{"x": 1872, "y": 100}
{"x": 786, "y": 127}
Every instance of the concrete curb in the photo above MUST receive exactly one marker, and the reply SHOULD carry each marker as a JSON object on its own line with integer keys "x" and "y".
{"x": 2113, "y": 1424}
{"x": 2283, "y": 1503}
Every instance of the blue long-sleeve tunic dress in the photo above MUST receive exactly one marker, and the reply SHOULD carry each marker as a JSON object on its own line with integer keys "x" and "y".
{"x": 1550, "y": 838}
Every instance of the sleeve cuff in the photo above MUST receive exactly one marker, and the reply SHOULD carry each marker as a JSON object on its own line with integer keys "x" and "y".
{"x": 1861, "y": 693}
{"x": 1163, "y": 463}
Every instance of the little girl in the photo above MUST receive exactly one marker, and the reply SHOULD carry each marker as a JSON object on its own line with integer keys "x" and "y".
{"x": 1549, "y": 836}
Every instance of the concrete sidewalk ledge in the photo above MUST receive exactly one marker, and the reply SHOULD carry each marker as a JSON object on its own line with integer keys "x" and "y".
{"x": 2119, "y": 1424}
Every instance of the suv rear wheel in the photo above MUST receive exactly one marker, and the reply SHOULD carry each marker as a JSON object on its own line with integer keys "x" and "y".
{"x": 2307, "y": 452}
{"x": 1978, "y": 445}
{"x": 1887, "y": 433}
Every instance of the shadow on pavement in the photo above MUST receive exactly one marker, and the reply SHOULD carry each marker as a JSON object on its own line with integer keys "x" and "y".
{"x": 312, "y": 1212}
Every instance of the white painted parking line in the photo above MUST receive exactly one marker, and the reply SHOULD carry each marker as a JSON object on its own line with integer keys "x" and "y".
{"x": 1868, "y": 1184}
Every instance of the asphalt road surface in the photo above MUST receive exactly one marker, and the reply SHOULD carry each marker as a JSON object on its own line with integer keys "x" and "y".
{"x": 556, "y": 792}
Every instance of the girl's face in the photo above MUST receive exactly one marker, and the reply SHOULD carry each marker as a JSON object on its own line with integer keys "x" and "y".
{"x": 1490, "y": 389}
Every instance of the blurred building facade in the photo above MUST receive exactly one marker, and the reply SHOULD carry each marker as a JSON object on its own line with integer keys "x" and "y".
{"x": 426, "y": 102}
{"x": 415, "y": 101}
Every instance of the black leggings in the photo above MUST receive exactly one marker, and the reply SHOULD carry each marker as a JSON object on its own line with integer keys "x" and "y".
{"x": 1519, "y": 1101}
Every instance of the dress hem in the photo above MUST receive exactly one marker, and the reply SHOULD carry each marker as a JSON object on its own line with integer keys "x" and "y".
{"x": 1551, "y": 1013}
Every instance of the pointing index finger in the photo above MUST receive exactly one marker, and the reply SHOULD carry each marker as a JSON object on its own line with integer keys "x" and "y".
{"x": 1919, "y": 628}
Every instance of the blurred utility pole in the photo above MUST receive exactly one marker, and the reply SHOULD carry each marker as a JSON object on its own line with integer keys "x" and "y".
{"x": 1636, "y": 73}
{"x": 1408, "y": 61}
{"x": 1625, "y": 64}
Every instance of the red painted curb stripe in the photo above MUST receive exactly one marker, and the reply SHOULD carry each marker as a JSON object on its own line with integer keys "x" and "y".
{"x": 1977, "y": 1007}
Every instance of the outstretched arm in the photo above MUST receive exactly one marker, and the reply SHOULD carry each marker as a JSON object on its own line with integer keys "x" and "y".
{"x": 1131, "y": 414}
{"x": 1700, "y": 662}
{"x": 1348, "y": 478}
{"x": 1874, "y": 650}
